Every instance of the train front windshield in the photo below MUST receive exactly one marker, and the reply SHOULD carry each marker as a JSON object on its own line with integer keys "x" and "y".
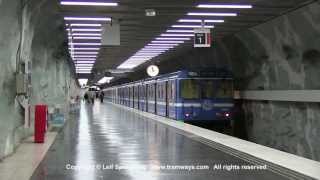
{"x": 206, "y": 89}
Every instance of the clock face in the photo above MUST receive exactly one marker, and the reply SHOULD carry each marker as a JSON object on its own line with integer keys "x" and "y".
{"x": 153, "y": 70}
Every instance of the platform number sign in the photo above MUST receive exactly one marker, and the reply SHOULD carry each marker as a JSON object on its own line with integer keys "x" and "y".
{"x": 202, "y": 37}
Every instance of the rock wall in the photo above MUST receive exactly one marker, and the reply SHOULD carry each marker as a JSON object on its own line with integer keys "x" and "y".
{"x": 33, "y": 33}
{"x": 282, "y": 54}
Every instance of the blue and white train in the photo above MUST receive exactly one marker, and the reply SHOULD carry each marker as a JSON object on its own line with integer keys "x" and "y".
{"x": 183, "y": 95}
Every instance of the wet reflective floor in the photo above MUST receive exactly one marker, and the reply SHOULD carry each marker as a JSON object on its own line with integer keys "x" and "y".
{"x": 104, "y": 141}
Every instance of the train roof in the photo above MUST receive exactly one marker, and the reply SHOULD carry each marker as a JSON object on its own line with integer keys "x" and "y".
{"x": 203, "y": 73}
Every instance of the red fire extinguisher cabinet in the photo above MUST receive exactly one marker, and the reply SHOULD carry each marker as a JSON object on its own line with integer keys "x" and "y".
{"x": 40, "y": 123}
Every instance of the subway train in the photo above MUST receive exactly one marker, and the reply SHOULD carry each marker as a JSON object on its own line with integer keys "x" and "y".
{"x": 189, "y": 96}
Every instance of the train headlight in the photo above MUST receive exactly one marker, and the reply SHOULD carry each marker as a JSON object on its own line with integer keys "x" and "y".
{"x": 187, "y": 115}
{"x": 227, "y": 114}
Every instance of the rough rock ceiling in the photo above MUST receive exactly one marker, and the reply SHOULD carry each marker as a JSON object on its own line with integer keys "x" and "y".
{"x": 137, "y": 30}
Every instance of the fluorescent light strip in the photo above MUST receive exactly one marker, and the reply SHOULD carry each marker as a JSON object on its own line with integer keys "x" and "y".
{"x": 158, "y": 44}
{"x": 211, "y": 14}
{"x": 84, "y": 69}
{"x": 200, "y": 20}
{"x": 177, "y": 35}
{"x": 152, "y": 51}
{"x": 182, "y": 39}
{"x": 84, "y": 49}
{"x": 74, "y": 3}
{"x": 87, "y": 19}
{"x": 170, "y": 42}
{"x": 157, "y": 48}
{"x": 85, "y": 25}
{"x": 86, "y": 34}
{"x": 87, "y": 64}
{"x": 84, "y": 62}
{"x": 191, "y": 26}
{"x": 85, "y": 30}
{"x": 226, "y": 6}
{"x": 83, "y": 72}
{"x": 83, "y": 81}
{"x": 77, "y": 52}
{"x": 180, "y": 31}
{"x": 105, "y": 80}
{"x": 85, "y": 44}
{"x": 84, "y": 66}
{"x": 142, "y": 56}
{"x": 86, "y": 56}
{"x": 84, "y": 37}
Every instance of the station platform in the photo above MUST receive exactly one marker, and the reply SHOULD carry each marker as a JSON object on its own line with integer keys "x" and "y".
{"x": 106, "y": 141}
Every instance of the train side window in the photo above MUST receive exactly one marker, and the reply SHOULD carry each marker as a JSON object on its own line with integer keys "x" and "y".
{"x": 173, "y": 90}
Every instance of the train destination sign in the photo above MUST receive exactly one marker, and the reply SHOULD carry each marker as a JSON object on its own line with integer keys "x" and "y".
{"x": 202, "y": 37}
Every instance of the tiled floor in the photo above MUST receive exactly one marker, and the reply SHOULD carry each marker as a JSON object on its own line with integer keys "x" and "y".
{"x": 106, "y": 135}
{"x": 25, "y": 160}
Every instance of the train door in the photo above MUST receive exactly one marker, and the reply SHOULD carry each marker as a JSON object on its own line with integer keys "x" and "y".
{"x": 167, "y": 96}
{"x": 172, "y": 99}
{"x": 154, "y": 97}
{"x": 131, "y": 97}
{"x": 147, "y": 96}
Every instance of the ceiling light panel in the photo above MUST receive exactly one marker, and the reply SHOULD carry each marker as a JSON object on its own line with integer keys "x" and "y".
{"x": 202, "y": 20}
{"x": 85, "y": 25}
{"x": 211, "y": 14}
{"x": 225, "y": 6}
{"x": 87, "y": 19}
{"x": 88, "y": 3}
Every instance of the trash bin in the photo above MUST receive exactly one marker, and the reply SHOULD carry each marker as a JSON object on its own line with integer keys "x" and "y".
{"x": 40, "y": 123}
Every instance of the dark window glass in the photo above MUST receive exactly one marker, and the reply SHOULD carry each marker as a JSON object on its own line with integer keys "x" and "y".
{"x": 190, "y": 89}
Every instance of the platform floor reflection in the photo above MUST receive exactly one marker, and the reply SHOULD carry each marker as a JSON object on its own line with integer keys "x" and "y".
{"x": 106, "y": 136}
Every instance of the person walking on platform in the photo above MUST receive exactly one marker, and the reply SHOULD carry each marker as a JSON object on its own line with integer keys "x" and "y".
{"x": 86, "y": 97}
{"x": 101, "y": 96}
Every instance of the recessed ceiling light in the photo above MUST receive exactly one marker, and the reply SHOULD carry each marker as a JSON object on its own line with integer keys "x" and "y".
{"x": 75, "y": 3}
{"x": 211, "y": 14}
{"x": 228, "y": 6}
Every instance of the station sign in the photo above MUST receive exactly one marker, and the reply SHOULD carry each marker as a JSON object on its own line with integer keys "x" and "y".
{"x": 202, "y": 37}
